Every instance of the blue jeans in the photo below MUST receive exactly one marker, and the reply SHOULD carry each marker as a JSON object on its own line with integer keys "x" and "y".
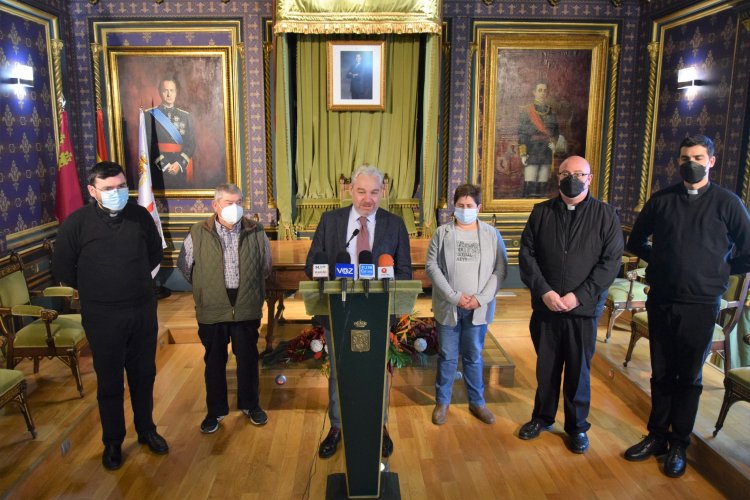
{"x": 468, "y": 339}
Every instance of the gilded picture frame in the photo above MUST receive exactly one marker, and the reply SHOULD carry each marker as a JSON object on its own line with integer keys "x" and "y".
{"x": 543, "y": 97}
{"x": 356, "y": 75}
{"x": 192, "y": 142}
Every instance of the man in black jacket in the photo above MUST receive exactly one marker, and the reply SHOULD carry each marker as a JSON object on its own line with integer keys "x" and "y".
{"x": 376, "y": 229}
{"x": 107, "y": 250}
{"x": 570, "y": 254}
{"x": 700, "y": 235}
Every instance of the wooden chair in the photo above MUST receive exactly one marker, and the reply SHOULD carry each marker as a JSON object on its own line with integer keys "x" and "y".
{"x": 736, "y": 383}
{"x": 49, "y": 334}
{"x": 13, "y": 390}
{"x": 732, "y": 305}
{"x": 626, "y": 294}
{"x": 345, "y": 196}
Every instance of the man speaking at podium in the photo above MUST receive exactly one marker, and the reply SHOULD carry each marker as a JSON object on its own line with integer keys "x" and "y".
{"x": 363, "y": 226}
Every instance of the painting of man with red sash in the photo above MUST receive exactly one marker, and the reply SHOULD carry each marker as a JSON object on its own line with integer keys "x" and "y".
{"x": 538, "y": 135}
{"x": 171, "y": 138}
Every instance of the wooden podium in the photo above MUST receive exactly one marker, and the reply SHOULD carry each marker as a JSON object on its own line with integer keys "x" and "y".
{"x": 360, "y": 330}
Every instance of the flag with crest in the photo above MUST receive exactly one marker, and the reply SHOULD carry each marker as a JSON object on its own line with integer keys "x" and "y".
{"x": 68, "y": 196}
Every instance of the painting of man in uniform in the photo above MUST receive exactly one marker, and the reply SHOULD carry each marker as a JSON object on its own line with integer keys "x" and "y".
{"x": 540, "y": 119}
{"x": 183, "y": 102}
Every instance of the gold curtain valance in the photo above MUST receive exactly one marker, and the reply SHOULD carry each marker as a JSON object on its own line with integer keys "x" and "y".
{"x": 358, "y": 16}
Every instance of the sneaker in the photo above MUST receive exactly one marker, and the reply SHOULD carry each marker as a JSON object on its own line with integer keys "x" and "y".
{"x": 256, "y": 416}
{"x": 210, "y": 424}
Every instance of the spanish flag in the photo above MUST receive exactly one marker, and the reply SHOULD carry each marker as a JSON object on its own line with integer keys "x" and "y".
{"x": 101, "y": 144}
{"x": 145, "y": 187}
{"x": 68, "y": 197}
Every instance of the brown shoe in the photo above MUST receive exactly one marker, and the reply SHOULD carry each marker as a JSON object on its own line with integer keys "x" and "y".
{"x": 439, "y": 413}
{"x": 482, "y": 413}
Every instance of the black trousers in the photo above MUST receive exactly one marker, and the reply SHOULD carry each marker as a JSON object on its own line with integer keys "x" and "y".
{"x": 679, "y": 341}
{"x": 563, "y": 344}
{"x": 244, "y": 338}
{"x": 123, "y": 340}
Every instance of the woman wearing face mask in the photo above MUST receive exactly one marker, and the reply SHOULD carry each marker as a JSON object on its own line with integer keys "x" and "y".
{"x": 466, "y": 262}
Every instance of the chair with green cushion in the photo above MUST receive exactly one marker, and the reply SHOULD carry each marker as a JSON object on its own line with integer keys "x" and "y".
{"x": 736, "y": 383}
{"x": 34, "y": 332}
{"x": 13, "y": 389}
{"x": 732, "y": 305}
{"x": 626, "y": 294}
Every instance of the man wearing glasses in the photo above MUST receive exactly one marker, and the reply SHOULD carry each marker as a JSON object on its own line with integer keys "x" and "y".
{"x": 570, "y": 254}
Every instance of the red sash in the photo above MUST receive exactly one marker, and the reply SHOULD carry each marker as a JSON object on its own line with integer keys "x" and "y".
{"x": 537, "y": 120}
{"x": 171, "y": 147}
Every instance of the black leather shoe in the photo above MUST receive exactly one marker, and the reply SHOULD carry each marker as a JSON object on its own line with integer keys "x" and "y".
{"x": 112, "y": 456}
{"x": 387, "y": 444}
{"x": 330, "y": 443}
{"x": 531, "y": 430}
{"x": 579, "y": 443}
{"x": 650, "y": 446}
{"x": 155, "y": 442}
{"x": 676, "y": 462}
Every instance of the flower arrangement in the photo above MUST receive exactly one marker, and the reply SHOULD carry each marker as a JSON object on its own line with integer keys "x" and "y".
{"x": 412, "y": 340}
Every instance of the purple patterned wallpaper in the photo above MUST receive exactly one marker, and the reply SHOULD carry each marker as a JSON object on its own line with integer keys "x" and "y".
{"x": 27, "y": 129}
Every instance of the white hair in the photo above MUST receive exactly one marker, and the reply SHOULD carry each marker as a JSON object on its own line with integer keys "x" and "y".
{"x": 366, "y": 169}
{"x": 227, "y": 188}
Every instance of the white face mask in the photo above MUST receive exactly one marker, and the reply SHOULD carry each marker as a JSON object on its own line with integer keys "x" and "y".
{"x": 115, "y": 199}
{"x": 466, "y": 215}
{"x": 231, "y": 213}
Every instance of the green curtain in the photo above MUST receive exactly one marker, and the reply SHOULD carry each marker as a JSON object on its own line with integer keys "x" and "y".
{"x": 331, "y": 143}
{"x": 282, "y": 143}
{"x": 430, "y": 134}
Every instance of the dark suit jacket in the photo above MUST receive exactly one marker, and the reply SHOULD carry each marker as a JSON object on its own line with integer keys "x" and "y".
{"x": 390, "y": 237}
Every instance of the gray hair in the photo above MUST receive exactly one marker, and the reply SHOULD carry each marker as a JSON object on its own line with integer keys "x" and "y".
{"x": 366, "y": 169}
{"x": 226, "y": 188}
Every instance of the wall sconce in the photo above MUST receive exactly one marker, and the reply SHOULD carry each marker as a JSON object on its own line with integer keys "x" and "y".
{"x": 688, "y": 78}
{"x": 21, "y": 78}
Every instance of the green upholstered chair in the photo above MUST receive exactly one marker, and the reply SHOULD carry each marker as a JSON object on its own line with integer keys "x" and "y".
{"x": 736, "y": 383}
{"x": 34, "y": 332}
{"x": 13, "y": 390}
{"x": 626, "y": 294}
{"x": 732, "y": 305}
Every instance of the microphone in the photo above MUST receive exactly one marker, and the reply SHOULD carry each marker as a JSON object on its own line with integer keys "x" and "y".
{"x": 354, "y": 233}
{"x": 320, "y": 270}
{"x": 344, "y": 269}
{"x": 385, "y": 270}
{"x": 366, "y": 270}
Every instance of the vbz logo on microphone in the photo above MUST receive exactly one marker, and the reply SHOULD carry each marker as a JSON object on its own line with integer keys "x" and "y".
{"x": 345, "y": 270}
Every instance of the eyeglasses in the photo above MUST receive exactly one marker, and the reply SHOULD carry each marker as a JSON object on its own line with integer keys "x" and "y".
{"x": 578, "y": 175}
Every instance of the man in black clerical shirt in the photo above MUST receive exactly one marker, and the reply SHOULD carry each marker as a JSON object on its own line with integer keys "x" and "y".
{"x": 700, "y": 234}
{"x": 107, "y": 250}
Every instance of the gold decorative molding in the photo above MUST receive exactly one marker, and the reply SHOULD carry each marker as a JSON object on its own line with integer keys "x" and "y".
{"x": 614, "y": 67}
{"x": 445, "y": 129}
{"x": 746, "y": 178}
{"x": 57, "y": 45}
{"x": 358, "y": 16}
{"x": 653, "y": 55}
{"x": 240, "y": 54}
{"x": 96, "y": 51}
{"x": 267, "y": 54}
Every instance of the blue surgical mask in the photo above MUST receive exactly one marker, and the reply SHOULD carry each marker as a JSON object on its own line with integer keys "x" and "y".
{"x": 115, "y": 199}
{"x": 466, "y": 215}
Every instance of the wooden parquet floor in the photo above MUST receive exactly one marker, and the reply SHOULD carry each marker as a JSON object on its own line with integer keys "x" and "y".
{"x": 462, "y": 459}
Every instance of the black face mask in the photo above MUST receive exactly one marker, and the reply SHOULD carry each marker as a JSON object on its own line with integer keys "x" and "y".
{"x": 692, "y": 172}
{"x": 572, "y": 187}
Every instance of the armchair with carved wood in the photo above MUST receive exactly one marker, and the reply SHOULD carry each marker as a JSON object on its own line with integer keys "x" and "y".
{"x": 732, "y": 305}
{"x": 626, "y": 294}
{"x": 33, "y": 332}
{"x": 13, "y": 390}
{"x": 736, "y": 382}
